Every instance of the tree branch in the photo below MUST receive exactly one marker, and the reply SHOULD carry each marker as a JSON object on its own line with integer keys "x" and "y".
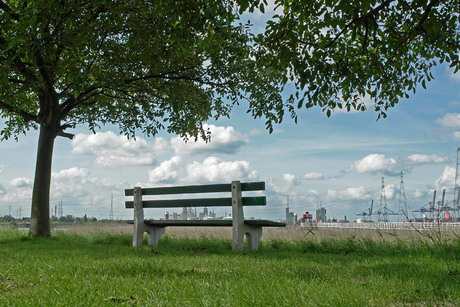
{"x": 73, "y": 102}
{"x": 16, "y": 81}
{"x": 159, "y": 76}
{"x": 9, "y": 11}
{"x": 362, "y": 17}
{"x": 168, "y": 76}
{"x": 18, "y": 63}
{"x": 25, "y": 115}
{"x": 426, "y": 13}
{"x": 66, "y": 135}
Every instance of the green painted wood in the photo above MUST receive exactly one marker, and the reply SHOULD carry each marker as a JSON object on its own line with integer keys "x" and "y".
{"x": 198, "y": 202}
{"x": 208, "y": 188}
{"x": 264, "y": 223}
{"x": 210, "y": 223}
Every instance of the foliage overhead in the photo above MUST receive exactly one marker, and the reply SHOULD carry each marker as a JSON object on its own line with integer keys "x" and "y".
{"x": 142, "y": 65}
{"x": 337, "y": 52}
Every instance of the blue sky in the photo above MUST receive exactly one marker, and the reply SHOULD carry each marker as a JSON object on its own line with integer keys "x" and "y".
{"x": 337, "y": 161}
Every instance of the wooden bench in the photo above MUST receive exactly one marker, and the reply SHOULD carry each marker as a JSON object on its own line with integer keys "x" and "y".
{"x": 251, "y": 228}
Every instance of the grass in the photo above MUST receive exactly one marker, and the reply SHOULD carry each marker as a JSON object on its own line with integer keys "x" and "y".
{"x": 102, "y": 269}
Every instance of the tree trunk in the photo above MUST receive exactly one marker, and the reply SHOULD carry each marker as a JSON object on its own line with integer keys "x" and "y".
{"x": 40, "y": 223}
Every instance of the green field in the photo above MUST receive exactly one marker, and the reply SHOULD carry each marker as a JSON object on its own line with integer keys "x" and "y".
{"x": 101, "y": 269}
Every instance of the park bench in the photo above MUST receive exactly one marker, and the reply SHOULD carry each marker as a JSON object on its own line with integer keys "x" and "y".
{"x": 251, "y": 228}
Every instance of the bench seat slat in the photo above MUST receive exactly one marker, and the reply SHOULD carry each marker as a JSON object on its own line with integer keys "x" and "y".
{"x": 210, "y": 223}
{"x": 208, "y": 188}
{"x": 199, "y": 202}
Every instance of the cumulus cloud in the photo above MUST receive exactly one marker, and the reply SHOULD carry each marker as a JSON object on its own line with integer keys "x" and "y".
{"x": 215, "y": 170}
{"x": 450, "y": 120}
{"x": 456, "y": 135}
{"x": 70, "y": 173}
{"x": 374, "y": 163}
{"x": 168, "y": 171}
{"x": 313, "y": 175}
{"x": 2, "y": 166}
{"x": 419, "y": 193}
{"x": 102, "y": 182}
{"x": 283, "y": 184}
{"x": 447, "y": 179}
{"x": 390, "y": 191}
{"x": 212, "y": 169}
{"x": 21, "y": 182}
{"x": 65, "y": 190}
{"x": 358, "y": 193}
{"x": 114, "y": 150}
{"x": 223, "y": 140}
{"x": 426, "y": 159}
{"x": 2, "y": 190}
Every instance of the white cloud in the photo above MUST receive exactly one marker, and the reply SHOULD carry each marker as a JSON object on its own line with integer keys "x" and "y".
{"x": 65, "y": 190}
{"x": 2, "y": 190}
{"x": 390, "y": 191}
{"x": 450, "y": 120}
{"x": 21, "y": 182}
{"x": 113, "y": 150}
{"x": 223, "y": 140}
{"x": 374, "y": 163}
{"x": 215, "y": 170}
{"x": 284, "y": 184}
{"x": 101, "y": 182}
{"x": 425, "y": 159}
{"x": 212, "y": 169}
{"x": 456, "y": 135}
{"x": 313, "y": 175}
{"x": 70, "y": 173}
{"x": 2, "y": 166}
{"x": 419, "y": 193}
{"x": 447, "y": 179}
{"x": 167, "y": 171}
{"x": 359, "y": 193}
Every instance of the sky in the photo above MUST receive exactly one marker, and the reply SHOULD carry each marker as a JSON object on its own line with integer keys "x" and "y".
{"x": 335, "y": 162}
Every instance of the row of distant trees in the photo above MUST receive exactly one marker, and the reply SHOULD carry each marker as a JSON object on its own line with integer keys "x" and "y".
{"x": 64, "y": 219}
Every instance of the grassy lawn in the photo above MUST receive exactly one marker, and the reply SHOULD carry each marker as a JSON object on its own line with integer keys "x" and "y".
{"x": 101, "y": 269}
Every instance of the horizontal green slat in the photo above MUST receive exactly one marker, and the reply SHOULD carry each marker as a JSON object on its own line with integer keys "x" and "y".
{"x": 199, "y": 202}
{"x": 208, "y": 188}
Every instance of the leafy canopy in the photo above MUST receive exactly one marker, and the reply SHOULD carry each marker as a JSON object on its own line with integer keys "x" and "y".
{"x": 142, "y": 65}
{"x": 337, "y": 52}
{"x": 157, "y": 64}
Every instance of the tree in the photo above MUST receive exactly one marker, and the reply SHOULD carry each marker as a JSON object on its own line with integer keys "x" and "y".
{"x": 336, "y": 52}
{"x": 142, "y": 65}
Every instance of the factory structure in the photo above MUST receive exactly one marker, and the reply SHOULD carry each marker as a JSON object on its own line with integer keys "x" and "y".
{"x": 191, "y": 214}
{"x": 293, "y": 219}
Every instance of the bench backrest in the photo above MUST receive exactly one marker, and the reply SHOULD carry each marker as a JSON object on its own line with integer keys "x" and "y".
{"x": 198, "y": 202}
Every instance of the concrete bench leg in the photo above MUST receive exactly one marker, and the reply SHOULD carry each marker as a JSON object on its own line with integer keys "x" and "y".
{"x": 154, "y": 233}
{"x": 253, "y": 235}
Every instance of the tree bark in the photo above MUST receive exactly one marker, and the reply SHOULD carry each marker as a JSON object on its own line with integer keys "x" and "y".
{"x": 40, "y": 222}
